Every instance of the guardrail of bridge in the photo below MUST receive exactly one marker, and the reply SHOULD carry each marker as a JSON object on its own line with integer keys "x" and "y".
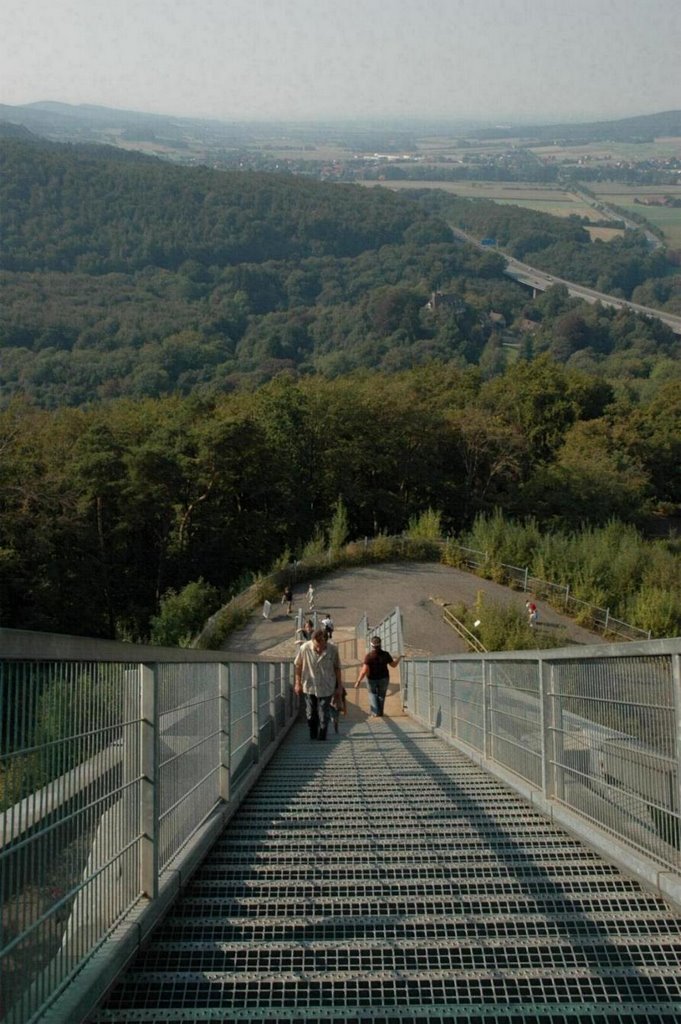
{"x": 592, "y": 736}
{"x": 390, "y": 630}
{"x": 119, "y": 765}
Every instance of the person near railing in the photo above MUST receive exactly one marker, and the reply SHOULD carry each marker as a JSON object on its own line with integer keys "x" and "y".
{"x": 327, "y": 626}
{"x": 375, "y": 671}
{"x": 317, "y": 676}
{"x": 287, "y": 598}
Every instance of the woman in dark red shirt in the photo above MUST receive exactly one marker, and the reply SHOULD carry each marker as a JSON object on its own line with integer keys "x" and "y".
{"x": 375, "y": 670}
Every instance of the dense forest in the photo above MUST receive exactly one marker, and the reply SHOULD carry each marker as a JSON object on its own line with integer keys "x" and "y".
{"x": 126, "y": 276}
{"x": 196, "y": 365}
{"x": 103, "y": 509}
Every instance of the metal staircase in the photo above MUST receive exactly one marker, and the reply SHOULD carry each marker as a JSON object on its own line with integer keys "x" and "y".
{"x": 381, "y": 876}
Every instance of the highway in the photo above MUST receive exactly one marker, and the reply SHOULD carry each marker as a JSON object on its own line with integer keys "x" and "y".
{"x": 533, "y": 278}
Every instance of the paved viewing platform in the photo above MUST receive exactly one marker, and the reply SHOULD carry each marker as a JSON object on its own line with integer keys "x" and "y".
{"x": 420, "y": 589}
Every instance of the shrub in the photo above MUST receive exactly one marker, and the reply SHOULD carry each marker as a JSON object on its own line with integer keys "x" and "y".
{"x": 182, "y": 614}
{"x": 657, "y": 610}
{"x": 314, "y": 552}
{"x": 383, "y": 548}
{"x": 338, "y": 530}
{"x": 232, "y": 616}
{"x": 452, "y": 554}
{"x": 504, "y": 627}
{"x": 421, "y": 550}
{"x": 427, "y": 526}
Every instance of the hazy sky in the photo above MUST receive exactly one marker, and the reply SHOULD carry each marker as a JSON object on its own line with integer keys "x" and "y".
{"x": 306, "y": 59}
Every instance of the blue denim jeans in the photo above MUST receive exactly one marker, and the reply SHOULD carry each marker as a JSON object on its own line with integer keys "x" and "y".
{"x": 377, "y": 690}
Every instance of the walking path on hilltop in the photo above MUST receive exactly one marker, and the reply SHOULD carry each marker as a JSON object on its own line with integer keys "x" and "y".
{"x": 418, "y": 588}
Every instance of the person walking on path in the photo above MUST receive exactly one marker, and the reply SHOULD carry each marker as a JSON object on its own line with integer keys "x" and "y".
{"x": 310, "y": 598}
{"x": 532, "y": 612}
{"x": 375, "y": 670}
{"x": 317, "y": 676}
{"x": 287, "y": 598}
{"x": 327, "y": 626}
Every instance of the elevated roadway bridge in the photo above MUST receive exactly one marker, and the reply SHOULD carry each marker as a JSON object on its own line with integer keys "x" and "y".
{"x": 539, "y": 281}
{"x": 502, "y": 847}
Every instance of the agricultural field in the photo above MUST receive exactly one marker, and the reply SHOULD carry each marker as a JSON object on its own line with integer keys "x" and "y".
{"x": 546, "y": 198}
{"x": 606, "y": 152}
{"x": 667, "y": 218}
{"x": 604, "y": 234}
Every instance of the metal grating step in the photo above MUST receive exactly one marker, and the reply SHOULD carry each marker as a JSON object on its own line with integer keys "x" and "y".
{"x": 482, "y": 929}
{"x": 192, "y": 990}
{"x": 406, "y": 957}
{"x": 517, "y": 1014}
{"x": 388, "y": 879}
{"x": 401, "y": 871}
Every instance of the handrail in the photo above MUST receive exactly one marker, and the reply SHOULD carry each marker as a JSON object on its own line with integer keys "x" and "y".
{"x": 589, "y": 735}
{"x": 123, "y": 762}
{"x": 463, "y": 631}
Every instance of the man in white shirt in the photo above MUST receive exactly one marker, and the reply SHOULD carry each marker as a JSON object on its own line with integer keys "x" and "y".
{"x": 317, "y": 675}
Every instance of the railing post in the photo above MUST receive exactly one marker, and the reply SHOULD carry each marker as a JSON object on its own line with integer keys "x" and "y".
{"x": 255, "y": 732}
{"x": 273, "y": 703}
{"x": 527, "y": 573}
{"x": 486, "y": 738}
{"x": 547, "y": 726}
{"x": 149, "y": 780}
{"x": 225, "y": 732}
{"x": 676, "y": 689}
{"x": 453, "y": 715}
{"x": 430, "y": 694}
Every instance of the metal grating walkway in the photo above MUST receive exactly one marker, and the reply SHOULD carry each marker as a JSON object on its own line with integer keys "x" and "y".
{"x": 381, "y": 876}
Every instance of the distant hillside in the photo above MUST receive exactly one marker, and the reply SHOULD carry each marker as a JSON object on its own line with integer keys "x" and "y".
{"x": 644, "y": 128}
{"x": 91, "y": 123}
{"x": 64, "y": 122}
{"x": 101, "y": 210}
{"x": 15, "y": 131}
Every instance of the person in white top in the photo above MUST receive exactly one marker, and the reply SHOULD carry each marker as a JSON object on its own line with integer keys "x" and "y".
{"x": 317, "y": 676}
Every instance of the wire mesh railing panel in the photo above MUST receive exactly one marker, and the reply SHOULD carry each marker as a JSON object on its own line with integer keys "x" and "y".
{"x": 282, "y": 690}
{"x": 514, "y": 716}
{"x": 419, "y": 688}
{"x": 469, "y": 711}
{"x": 68, "y": 823}
{"x": 442, "y": 696}
{"x": 241, "y": 718}
{"x": 265, "y": 704}
{"x": 390, "y": 632}
{"x": 189, "y": 731}
{"x": 600, "y": 733}
{"x": 615, "y": 748}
